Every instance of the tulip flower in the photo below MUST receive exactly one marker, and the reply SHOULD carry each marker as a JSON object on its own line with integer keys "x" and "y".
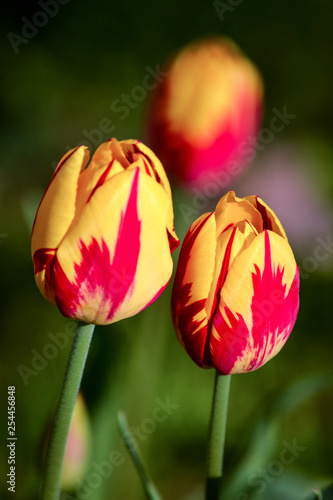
{"x": 103, "y": 233}
{"x": 206, "y": 112}
{"x": 236, "y": 292}
{"x": 78, "y": 445}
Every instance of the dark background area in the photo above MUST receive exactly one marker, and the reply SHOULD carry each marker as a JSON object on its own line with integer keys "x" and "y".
{"x": 57, "y": 87}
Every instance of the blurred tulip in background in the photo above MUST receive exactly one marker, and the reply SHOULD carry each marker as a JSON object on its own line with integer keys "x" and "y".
{"x": 78, "y": 445}
{"x": 205, "y": 112}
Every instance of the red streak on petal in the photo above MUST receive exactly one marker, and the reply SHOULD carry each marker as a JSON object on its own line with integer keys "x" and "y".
{"x": 193, "y": 337}
{"x": 273, "y": 315}
{"x": 173, "y": 242}
{"x": 96, "y": 275}
{"x": 183, "y": 261}
{"x": 227, "y": 227}
{"x": 42, "y": 258}
{"x": 267, "y": 223}
{"x": 233, "y": 340}
{"x": 101, "y": 180}
{"x": 183, "y": 310}
{"x": 129, "y": 156}
{"x": 219, "y": 285}
{"x": 127, "y": 250}
{"x": 144, "y": 155}
{"x": 148, "y": 168}
{"x": 92, "y": 274}
{"x": 225, "y": 263}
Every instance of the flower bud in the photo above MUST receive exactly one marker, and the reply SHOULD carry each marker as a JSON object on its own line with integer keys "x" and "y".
{"x": 78, "y": 445}
{"x": 235, "y": 297}
{"x": 103, "y": 233}
{"x": 206, "y": 112}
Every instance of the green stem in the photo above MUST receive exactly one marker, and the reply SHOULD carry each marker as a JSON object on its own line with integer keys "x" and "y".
{"x": 216, "y": 436}
{"x": 51, "y": 487}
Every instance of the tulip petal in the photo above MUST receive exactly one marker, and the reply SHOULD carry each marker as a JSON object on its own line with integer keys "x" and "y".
{"x": 155, "y": 262}
{"x": 57, "y": 207}
{"x": 224, "y": 76}
{"x": 108, "y": 237}
{"x": 56, "y": 212}
{"x": 270, "y": 220}
{"x": 107, "y": 161}
{"x": 154, "y": 168}
{"x": 258, "y": 306}
{"x": 229, "y": 245}
{"x": 191, "y": 286}
{"x": 42, "y": 259}
{"x": 98, "y": 291}
{"x": 200, "y": 121}
{"x": 232, "y": 209}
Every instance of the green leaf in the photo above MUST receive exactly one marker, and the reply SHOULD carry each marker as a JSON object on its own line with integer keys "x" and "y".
{"x": 132, "y": 447}
{"x": 265, "y": 437}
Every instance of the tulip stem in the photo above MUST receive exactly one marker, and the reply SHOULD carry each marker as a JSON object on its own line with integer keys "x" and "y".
{"x": 51, "y": 487}
{"x": 216, "y": 437}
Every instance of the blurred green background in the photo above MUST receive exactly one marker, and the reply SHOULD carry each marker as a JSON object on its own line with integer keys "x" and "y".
{"x": 57, "y": 87}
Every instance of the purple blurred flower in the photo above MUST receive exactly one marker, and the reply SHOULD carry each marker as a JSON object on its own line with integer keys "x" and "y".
{"x": 288, "y": 182}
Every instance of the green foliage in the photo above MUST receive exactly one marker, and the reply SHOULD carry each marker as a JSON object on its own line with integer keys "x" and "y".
{"x": 62, "y": 82}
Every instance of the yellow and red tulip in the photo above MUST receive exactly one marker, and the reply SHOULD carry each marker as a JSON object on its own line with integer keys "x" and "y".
{"x": 103, "y": 233}
{"x": 205, "y": 111}
{"x": 236, "y": 292}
